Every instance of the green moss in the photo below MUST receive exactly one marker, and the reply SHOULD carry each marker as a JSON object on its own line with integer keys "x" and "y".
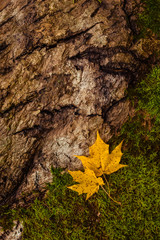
{"x": 61, "y": 215}
{"x": 139, "y": 183}
{"x": 149, "y": 20}
{"x": 6, "y": 217}
{"x": 149, "y": 93}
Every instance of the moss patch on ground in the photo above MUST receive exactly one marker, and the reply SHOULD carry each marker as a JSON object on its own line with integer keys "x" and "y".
{"x": 149, "y": 19}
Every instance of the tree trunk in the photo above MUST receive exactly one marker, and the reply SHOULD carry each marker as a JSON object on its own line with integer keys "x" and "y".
{"x": 64, "y": 72}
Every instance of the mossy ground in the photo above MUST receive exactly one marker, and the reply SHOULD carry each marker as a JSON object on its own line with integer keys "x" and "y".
{"x": 149, "y": 20}
{"x": 63, "y": 214}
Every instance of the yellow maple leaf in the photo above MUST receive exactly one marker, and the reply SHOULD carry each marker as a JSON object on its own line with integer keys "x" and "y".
{"x": 100, "y": 161}
{"x": 88, "y": 182}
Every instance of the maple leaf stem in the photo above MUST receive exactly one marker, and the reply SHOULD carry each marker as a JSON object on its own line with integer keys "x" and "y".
{"x": 110, "y": 196}
{"x": 107, "y": 183}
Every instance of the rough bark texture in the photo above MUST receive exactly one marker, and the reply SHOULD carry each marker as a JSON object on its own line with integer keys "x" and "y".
{"x": 64, "y": 69}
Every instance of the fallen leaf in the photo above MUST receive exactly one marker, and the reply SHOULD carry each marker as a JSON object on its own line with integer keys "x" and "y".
{"x": 88, "y": 182}
{"x": 100, "y": 161}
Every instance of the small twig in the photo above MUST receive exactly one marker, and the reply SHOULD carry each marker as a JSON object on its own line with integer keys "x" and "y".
{"x": 110, "y": 196}
{"x": 107, "y": 183}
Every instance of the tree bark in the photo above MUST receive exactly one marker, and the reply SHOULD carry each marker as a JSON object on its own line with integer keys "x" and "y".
{"x": 64, "y": 72}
